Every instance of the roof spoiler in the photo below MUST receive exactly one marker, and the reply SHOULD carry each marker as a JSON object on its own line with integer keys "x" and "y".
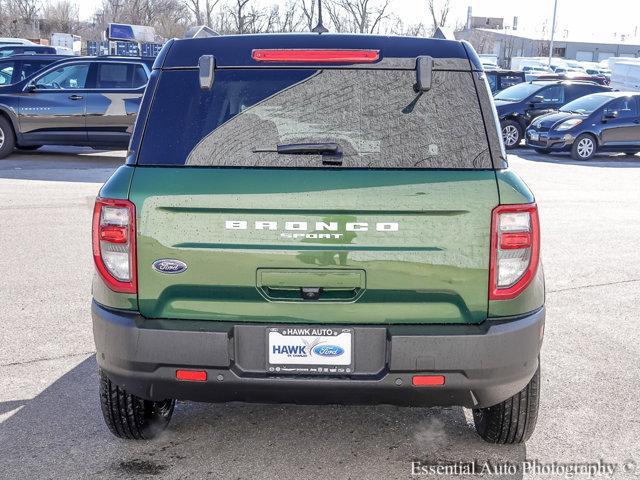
{"x": 424, "y": 67}
{"x": 206, "y": 66}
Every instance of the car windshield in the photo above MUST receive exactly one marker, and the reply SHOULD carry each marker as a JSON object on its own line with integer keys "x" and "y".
{"x": 517, "y": 92}
{"x": 586, "y": 105}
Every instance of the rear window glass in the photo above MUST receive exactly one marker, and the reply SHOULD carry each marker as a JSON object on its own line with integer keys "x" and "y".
{"x": 120, "y": 75}
{"x": 374, "y": 116}
{"x": 507, "y": 81}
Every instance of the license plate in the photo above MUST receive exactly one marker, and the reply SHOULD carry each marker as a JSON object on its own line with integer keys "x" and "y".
{"x": 534, "y": 136}
{"x": 320, "y": 350}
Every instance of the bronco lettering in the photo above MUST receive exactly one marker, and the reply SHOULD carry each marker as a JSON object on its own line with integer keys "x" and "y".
{"x": 295, "y": 226}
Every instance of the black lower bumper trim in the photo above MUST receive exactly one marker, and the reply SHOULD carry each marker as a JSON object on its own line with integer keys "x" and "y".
{"x": 483, "y": 364}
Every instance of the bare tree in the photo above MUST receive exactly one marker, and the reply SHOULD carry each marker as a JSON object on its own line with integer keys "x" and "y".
{"x": 21, "y": 17}
{"x": 290, "y": 19}
{"x": 438, "y": 14}
{"x": 202, "y": 12}
{"x": 362, "y": 16}
{"x": 309, "y": 13}
{"x": 62, "y": 16}
{"x": 27, "y": 10}
{"x": 398, "y": 27}
{"x": 338, "y": 19}
{"x": 209, "y": 5}
{"x": 239, "y": 15}
{"x": 193, "y": 6}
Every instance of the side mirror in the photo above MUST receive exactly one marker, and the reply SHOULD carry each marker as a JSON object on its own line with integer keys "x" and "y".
{"x": 537, "y": 99}
{"x": 31, "y": 87}
{"x": 610, "y": 114}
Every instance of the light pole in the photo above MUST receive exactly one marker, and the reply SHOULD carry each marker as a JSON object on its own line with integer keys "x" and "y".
{"x": 553, "y": 30}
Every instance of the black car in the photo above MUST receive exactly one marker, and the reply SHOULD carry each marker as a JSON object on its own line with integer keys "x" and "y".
{"x": 9, "y": 50}
{"x": 19, "y": 67}
{"x": 607, "y": 122}
{"x": 90, "y": 101}
{"x": 519, "y": 105}
{"x": 502, "y": 79}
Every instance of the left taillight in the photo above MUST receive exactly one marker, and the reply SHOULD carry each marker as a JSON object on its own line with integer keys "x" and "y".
{"x": 114, "y": 243}
{"x": 515, "y": 250}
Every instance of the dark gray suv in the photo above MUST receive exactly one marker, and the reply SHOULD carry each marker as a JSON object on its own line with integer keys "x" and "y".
{"x": 90, "y": 101}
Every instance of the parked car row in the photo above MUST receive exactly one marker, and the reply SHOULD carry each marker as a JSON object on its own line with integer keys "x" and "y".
{"x": 500, "y": 79}
{"x": 607, "y": 122}
{"x": 569, "y": 116}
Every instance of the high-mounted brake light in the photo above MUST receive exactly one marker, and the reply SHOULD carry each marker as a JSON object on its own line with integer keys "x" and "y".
{"x": 316, "y": 56}
{"x": 515, "y": 250}
{"x": 114, "y": 243}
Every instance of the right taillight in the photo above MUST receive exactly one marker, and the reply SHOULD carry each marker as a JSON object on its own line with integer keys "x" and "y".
{"x": 515, "y": 250}
{"x": 114, "y": 243}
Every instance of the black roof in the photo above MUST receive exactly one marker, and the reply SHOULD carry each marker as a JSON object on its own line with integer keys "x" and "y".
{"x": 47, "y": 56}
{"x": 235, "y": 50}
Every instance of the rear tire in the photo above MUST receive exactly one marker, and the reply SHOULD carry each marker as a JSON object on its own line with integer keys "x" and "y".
{"x": 511, "y": 133}
{"x": 513, "y": 420}
{"x": 7, "y": 137}
{"x": 584, "y": 147}
{"x": 132, "y": 417}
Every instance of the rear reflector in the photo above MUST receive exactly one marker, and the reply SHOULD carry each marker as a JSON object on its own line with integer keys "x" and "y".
{"x": 316, "y": 56}
{"x": 427, "y": 380}
{"x": 191, "y": 375}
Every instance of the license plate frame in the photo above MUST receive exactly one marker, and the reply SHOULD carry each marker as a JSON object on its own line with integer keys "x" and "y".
{"x": 309, "y": 350}
{"x": 534, "y": 136}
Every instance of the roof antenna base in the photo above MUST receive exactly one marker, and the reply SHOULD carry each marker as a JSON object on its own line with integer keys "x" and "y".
{"x": 319, "y": 28}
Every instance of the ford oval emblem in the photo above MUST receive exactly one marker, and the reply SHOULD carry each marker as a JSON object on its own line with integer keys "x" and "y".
{"x": 328, "y": 350}
{"x": 169, "y": 265}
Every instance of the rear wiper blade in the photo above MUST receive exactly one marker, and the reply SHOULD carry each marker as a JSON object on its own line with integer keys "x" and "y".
{"x": 309, "y": 149}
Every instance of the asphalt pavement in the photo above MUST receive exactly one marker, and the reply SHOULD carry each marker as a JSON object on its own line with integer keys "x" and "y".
{"x": 50, "y": 420}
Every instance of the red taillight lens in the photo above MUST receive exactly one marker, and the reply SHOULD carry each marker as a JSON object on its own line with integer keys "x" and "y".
{"x": 316, "y": 56}
{"x": 113, "y": 234}
{"x": 114, "y": 243}
{"x": 515, "y": 250}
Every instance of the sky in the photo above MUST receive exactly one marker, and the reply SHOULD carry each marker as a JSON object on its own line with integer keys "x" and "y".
{"x": 576, "y": 19}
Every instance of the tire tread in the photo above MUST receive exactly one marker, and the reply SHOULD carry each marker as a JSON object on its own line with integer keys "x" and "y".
{"x": 513, "y": 420}
{"x": 128, "y": 416}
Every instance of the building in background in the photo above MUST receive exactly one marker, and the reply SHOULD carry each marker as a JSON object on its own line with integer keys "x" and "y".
{"x": 506, "y": 44}
{"x": 492, "y": 36}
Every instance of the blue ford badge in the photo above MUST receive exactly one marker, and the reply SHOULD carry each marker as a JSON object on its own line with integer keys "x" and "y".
{"x": 328, "y": 350}
{"x": 169, "y": 265}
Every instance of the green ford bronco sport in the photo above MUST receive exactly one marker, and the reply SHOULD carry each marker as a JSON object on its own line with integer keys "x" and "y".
{"x": 317, "y": 219}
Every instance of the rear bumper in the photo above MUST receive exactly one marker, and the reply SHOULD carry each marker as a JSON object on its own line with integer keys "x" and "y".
{"x": 483, "y": 364}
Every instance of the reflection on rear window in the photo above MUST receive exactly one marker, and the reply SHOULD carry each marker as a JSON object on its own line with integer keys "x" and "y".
{"x": 375, "y": 116}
